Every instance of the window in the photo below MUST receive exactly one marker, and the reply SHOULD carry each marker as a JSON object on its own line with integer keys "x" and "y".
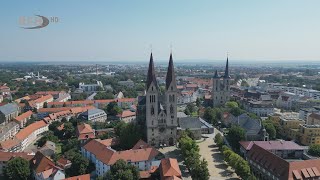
{"x": 171, "y": 109}
{"x": 152, "y": 110}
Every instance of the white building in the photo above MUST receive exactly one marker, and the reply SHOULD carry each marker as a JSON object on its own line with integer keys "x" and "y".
{"x": 91, "y": 87}
{"x": 103, "y": 156}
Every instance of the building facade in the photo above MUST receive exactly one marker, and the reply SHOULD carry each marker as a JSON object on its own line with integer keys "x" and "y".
{"x": 221, "y": 87}
{"x": 158, "y": 111}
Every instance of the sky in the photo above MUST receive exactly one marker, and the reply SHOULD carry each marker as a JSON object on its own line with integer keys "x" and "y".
{"x": 127, "y": 30}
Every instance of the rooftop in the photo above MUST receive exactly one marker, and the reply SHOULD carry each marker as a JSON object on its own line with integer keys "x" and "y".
{"x": 272, "y": 145}
{"x": 9, "y": 108}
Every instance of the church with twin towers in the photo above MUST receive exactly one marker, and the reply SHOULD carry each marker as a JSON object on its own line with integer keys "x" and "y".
{"x": 157, "y": 111}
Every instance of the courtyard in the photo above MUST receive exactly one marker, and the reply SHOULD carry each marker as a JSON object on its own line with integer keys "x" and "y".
{"x": 218, "y": 169}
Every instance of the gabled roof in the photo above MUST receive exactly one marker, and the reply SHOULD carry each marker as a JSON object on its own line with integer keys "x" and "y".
{"x": 315, "y": 116}
{"x": 169, "y": 167}
{"x": 6, "y": 156}
{"x": 141, "y": 144}
{"x": 84, "y": 131}
{"x": 126, "y": 113}
{"x": 24, "y": 133}
{"x": 81, "y": 177}
{"x": 109, "y": 156}
{"x": 272, "y": 145}
{"x": 41, "y": 163}
{"x": 24, "y": 116}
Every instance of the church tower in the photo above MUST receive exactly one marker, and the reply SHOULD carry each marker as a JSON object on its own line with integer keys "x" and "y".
{"x": 161, "y": 109}
{"x": 221, "y": 87}
{"x": 171, "y": 103}
{"x": 152, "y": 102}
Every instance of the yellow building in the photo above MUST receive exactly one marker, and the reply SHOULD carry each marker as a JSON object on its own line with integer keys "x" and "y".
{"x": 290, "y": 127}
{"x": 309, "y": 134}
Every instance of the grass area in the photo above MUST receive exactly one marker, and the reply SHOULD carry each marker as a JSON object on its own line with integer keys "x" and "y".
{"x": 194, "y": 114}
{"x": 58, "y": 148}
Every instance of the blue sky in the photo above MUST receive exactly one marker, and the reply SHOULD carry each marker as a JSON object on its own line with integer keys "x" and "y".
{"x": 118, "y": 30}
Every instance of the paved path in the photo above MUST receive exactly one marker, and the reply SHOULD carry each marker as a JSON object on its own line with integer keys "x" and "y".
{"x": 218, "y": 169}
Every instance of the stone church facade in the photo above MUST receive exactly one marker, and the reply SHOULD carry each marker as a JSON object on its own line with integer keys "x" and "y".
{"x": 158, "y": 110}
{"x": 221, "y": 87}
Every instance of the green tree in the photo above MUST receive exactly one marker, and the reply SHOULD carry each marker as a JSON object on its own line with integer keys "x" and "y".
{"x": 314, "y": 150}
{"x": 48, "y": 136}
{"x": 122, "y": 170}
{"x": 231, "y": 104}
{"x": 80, "y": 165}
{"x": 235, "y": 134}
{"x": 271, "y": 130}
{"x": 17, "y": 169}
{"x": 201, "y": 172}
{"x": 218, "y": 139}
{"x": 190, "y": 108}
{"x": 68, "y": 130}
{"x": 45, "y": 105}
{"x": 130, "y": 135}
{"x": 242, "y": 168}
{"x": 113, "y": 109}
{"x": 198, "y": 102}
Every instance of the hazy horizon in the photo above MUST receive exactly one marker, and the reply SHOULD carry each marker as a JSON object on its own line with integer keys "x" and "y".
{"x": 251, "y": 30}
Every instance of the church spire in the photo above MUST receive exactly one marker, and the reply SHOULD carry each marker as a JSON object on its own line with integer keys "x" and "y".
{"x": 216, "y": 74}
{"x": 226, "y": 72}
{"x": 151, "y": 76}
{"x": 170, "y": 73}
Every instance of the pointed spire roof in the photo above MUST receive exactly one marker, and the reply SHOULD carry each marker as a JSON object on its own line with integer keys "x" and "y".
{"x": 151, "y": 76}
{"x": 170, "y": 73}
{"x": 226, "y": 72}
{"x": 216, "y": 74}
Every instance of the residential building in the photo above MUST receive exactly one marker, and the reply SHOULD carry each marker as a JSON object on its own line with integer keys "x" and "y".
{"x": 58, "y": 96}
{"x": 127, "y": 116}
{"x": 38, "y": 103}
{"x": 268, "y": 166}
{"x": 221, "y": 87}
{"x": 309, "y": 134}
{"x": 85, "y": 132}
{"x": 91, "y": 87}
{"x": 260, "y": 108}
{"x": 313, "y": 118}
{"x": 64, "y": 163}
{"x": 4, "y": 90}
{"x": 8, "y": 131}
{"x": 305, "y": 112}
{"x": 103, "y": 156}
{"x": 283, "y": 149}
{"x": 290, "y": 125}
{"x": 8, "y": 112}
{"x": 94, "y": 115}
{"x": 158, "y": 111}
{"x": 45, "y": 169}
{"x": 169, "y": 169}
{"x": 23, "y": 118}
{"x": 7, "y": 156}
{"x": 24, "y": 137}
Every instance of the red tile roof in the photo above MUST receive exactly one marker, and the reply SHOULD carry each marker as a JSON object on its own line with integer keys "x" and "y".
{"x": 84, "y": 131}
{"x": 283, "y": 169}
{"x": 24, "y": 133}
{"x": 81, "y": 177}
{"x": 169, "y": 167}
{"x": 126, "y": 113}
{"x": 141, "y": 144}
{"x": 109, "y": 156}
{"x": 6, "y": 156}
{"x": 24, "y": 116}
{"x": 41, "y": 163}
{"x": 272, "y": 145}
{"x": 49, "y": 92}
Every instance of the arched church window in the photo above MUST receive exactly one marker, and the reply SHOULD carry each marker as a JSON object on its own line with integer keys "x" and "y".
{"x": 171, "y": 88}
{"x": 171, "y": 109}
{"x": 152, "y": 110}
